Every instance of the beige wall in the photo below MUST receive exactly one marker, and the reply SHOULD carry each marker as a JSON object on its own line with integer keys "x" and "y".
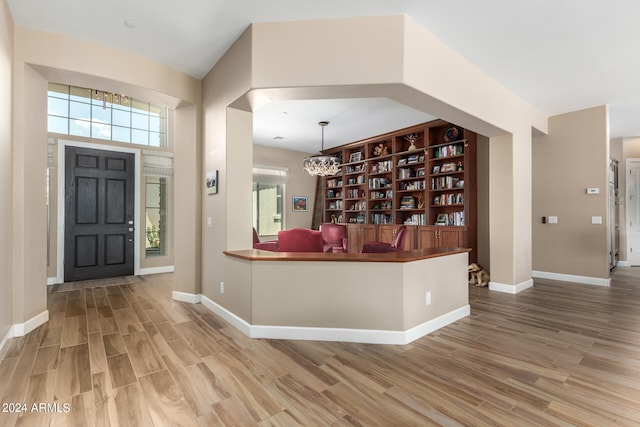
{"x": 299, "y": 182}
{"x": 228, "y": 148}
{"x": 6, "y": 64}
{"x": 373, "y": 56}
{"x": 373, "y": 295}
{"x": 573, "y": 157}
{"x": 41, "y": 57}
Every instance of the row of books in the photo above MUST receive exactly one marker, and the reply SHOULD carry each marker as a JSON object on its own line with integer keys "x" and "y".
{"x": 384, "y": 166}
{"x": 449, "y": 199}
{"x": 452, "y": 218}
{"x": 448, "y": 151}
{"x": 445, "y": 182}
{"x": 378, "y": 218}
{"x": 416, "y": 219}
{"x": 379, "y": 182}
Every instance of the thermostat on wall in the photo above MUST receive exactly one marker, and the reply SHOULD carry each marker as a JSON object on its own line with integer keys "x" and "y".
{"x": 593, "y": 190}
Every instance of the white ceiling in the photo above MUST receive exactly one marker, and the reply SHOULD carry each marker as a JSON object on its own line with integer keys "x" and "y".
{"x": 559, "y": 55}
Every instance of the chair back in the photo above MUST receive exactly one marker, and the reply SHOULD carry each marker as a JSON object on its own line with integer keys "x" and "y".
{"x": 398, "y": 242}
{"x": 300, "y": 240}
{"x": 333, "y": 233}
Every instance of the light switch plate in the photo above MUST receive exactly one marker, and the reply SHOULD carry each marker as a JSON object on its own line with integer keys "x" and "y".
{"x": 553, "y": 220}
{"x": 596, "y": 220}
{"x": 593, "y": 190}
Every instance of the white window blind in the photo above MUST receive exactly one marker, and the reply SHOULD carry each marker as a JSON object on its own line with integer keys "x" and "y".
{"x": 157, "y": 163}
{"x": 270, "y": 175}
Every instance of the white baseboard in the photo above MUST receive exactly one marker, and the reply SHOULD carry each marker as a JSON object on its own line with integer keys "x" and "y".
{"x": 52, "y": 281}
{"x": 155, "y": 270}
{"x": 5, "y": 341}
{"x": 510, "y": 289}
{"x": 597, "y": 281}
{"x": 185, "y": 297}
{"x": 623, "y": 264}
{"x": 236, "y": 321}
{"x": 365, "y": 336}
{"x": 434, "y": 324}
{"x": 22, "y": 329}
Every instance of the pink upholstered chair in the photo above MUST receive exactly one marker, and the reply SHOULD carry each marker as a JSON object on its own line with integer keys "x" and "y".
{"x": 334, "y": 237}
{"x": 300, "y": 240}
{"x": 269, "y": 245}
{"x": 395, "y": 246}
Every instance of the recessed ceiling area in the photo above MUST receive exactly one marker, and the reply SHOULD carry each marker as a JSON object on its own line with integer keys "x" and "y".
{"x": 293, "y": 125}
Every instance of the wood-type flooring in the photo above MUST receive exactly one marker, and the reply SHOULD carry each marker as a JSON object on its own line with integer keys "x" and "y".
{"x": 558, "y": 354}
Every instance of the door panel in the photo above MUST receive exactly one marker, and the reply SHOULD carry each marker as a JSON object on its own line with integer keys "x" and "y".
{"x": 633, "y": 213}
{"x": 450, "y": 238}
{"x": 99, "y": 210}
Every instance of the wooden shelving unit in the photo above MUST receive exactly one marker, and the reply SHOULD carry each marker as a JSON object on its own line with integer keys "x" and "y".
{"x": 423, "y": 176}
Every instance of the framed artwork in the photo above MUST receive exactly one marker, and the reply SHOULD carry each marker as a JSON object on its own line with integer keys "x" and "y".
{"x": 442, "y": 219}
{"x": 355, "y": 157}
{"x": 212, "y": 182}
{"x": 299, "y": 203}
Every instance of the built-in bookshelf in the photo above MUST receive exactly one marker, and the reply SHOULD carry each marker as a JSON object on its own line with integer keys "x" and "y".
{"x": 423, "y": 176}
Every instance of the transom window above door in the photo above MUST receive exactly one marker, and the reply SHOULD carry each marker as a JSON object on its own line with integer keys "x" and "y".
{"x": 104, "y": 115}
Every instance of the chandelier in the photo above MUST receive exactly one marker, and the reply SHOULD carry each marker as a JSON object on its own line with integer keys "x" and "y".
{"x": 111, "y": 98}
{"x": 321, "y": 165}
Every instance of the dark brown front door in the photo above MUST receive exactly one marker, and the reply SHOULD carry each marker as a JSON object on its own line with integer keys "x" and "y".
{"x": 99, "y": 214}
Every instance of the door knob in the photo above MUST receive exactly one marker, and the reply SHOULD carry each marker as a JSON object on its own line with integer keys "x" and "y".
{"x": 130, "y": 222}
{"x": 130, "y": 228}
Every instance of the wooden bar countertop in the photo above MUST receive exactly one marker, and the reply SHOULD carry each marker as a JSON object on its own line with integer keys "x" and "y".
{"x": 402, "y": 256}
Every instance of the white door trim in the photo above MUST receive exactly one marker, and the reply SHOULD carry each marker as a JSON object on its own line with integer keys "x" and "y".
{"x": 631, "y": 163}
{"x": 62, "y": 144}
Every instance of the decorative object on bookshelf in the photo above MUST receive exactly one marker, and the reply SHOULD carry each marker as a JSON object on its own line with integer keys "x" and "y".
{"x": 420, "y": 201}
{"x": 442, "y": 219}
{"x": 436, "y": 169}
{"x": 407, "y": 202}
{"x": 321, "y": 165}
{"x": 451, "y": 134}
{"x": 380, "y": 150}
{"x": 449, "y": 167}
{"x": 355, "y": 157}
{"x": 412, "y": 141}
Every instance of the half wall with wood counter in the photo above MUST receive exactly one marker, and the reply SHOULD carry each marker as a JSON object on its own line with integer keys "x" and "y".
{"x": 370, "y": 298}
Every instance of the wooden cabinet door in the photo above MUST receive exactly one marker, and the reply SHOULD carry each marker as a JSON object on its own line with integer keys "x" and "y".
{"x": 450, "y": 238}
{"x": 427, "y": 237}
{"x": 357, "y": 234}
{"x": 387, "y": 234}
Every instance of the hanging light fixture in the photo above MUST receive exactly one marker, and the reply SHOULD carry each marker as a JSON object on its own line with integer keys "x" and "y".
{"x": 321, "y": 165}
{"x": 111, "y": 98}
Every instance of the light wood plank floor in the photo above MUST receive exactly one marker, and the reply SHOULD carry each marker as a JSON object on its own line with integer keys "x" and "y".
{"x": 557, "y": 354}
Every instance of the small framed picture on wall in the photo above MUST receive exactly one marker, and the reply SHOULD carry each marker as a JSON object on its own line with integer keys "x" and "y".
{"x": 299, "y": 203}
{"x": 212, "y": 182}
